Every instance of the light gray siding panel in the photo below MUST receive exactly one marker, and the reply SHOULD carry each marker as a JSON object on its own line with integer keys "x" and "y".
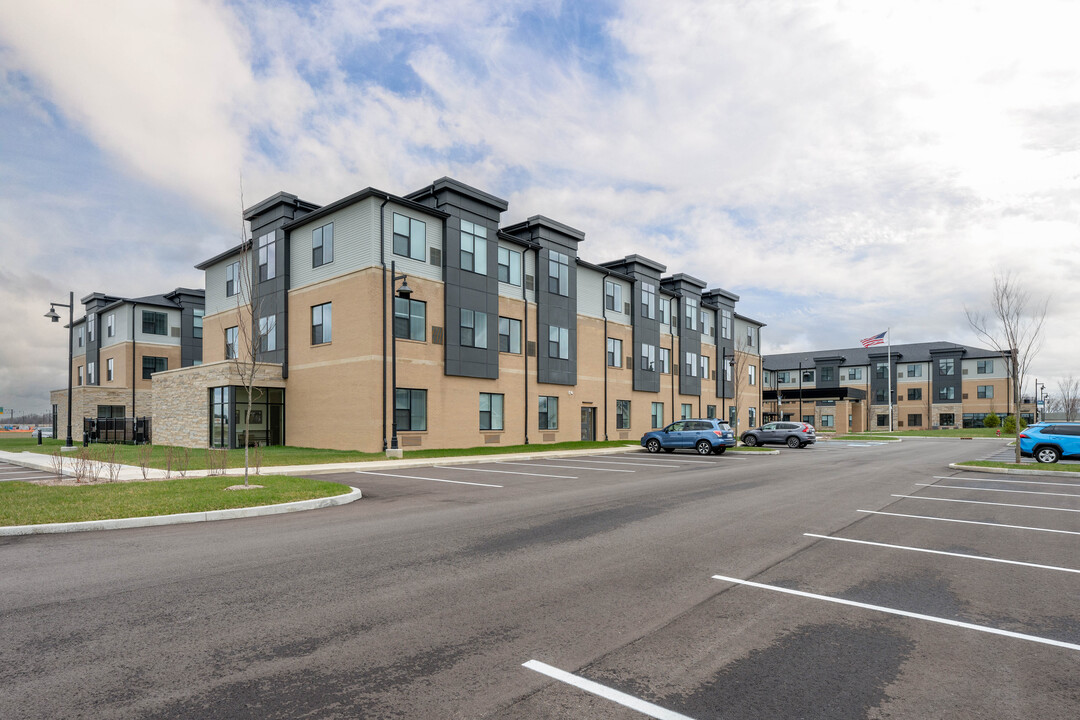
{"x": 355, "y": 230}
{"x": 121, "y": 325}
{"x": 216, "y": 301}
{"x": 627, "y": 293}
{"x": 590, "y": 292}
{"x": 514, "y": 291}
{"x": 434, "y": 229}
{"x": 167, "y": 339}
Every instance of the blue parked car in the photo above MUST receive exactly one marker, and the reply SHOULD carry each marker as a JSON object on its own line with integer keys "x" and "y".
{"x": 1049, "y": 442}
{"x": 704, "y": 436}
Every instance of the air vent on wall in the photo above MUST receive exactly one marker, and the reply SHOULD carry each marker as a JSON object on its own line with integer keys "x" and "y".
{"x": 964, "y": 371}
{"x": 436, "y": 257}
{"x": 629, "y": 362}
{"x": 965, "y": 396}
{"x": 436, "y": 335}
{"x": 626, "y": 308}
{"x": 549, "y": 437}
{"x": 714, "y": 375}
{"x": 175, "y": 331}
{"x": 899, "y": 375}
{"x": 489, "y": 439}
{"x": 530, "y": 282}
{"x": 530, "y": 348}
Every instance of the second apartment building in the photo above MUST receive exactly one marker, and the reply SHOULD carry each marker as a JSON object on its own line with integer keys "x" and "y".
{"x": 507, "y": 336}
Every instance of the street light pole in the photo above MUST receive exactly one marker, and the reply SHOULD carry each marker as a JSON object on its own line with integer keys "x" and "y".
{"x": 52, "y": 315}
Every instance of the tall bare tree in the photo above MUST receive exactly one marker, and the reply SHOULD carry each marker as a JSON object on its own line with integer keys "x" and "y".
{"x": 1013, "y": 327}
{"x": 1068, "y": 398}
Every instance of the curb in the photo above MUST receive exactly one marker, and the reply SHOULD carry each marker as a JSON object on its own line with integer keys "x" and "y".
{"x": 1013, "y": 471}
{"x": 180, "y": 518}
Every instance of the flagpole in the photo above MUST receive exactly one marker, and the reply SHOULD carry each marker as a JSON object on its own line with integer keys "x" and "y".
{"x": 888, "y": 377}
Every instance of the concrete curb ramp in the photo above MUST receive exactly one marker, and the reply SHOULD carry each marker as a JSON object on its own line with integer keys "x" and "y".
{"x": 177, "y": 519}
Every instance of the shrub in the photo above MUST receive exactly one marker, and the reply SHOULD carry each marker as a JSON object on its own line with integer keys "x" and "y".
{"x": 1009, "y": 424}
{"x": 992, "y": 420}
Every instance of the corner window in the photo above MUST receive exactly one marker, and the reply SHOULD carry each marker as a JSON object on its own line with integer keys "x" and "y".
{"x": 614, "y": 352}
{"x": 268, "y": 256}
{"x": 410, "y": 319}
{"x": 491, "y": 411}
{"x": 322, "y": 245}
{"x": 231, "y": 337}
{"x": 613, "y": 296}
{"x": 509, "y": 335}
{"x": 622, "y": 414}
{"x": 473, "y": 329}
{"x": 232, "y": 279}
{"x": 151, "y": 365}
{"x": 196, "y": 323}
{"x": 509, "y": 266}
{"x": 473, "y": 247}
{"x": 549, "y": 412}
{"x": 648, "y": 300}
{"x": 155, "y": 323}
{"x": 558, "y": 273}
{"x": 558, "y": 342}
{"x": 410, "y": 409}
{"x": 410, "y": 237}
{"x": 268, "y": 333}
{"x": 321, "y": 324}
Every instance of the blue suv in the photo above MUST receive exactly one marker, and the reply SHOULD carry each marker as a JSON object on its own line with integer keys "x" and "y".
{"x": 704, "y": 436}
{"x": 1049, "y": 442}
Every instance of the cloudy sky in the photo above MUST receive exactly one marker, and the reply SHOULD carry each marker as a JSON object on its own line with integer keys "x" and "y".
{"x": 843, "y": 166}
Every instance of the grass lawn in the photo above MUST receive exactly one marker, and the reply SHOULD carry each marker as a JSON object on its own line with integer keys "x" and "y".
{"x": 197, "y": 459}
{"x": 22, "y": 503}
{"x": 1053, "y": 467}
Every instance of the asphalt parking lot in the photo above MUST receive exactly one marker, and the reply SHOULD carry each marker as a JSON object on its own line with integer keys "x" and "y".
{"x": 840, "y": 581}
{"x": 8, "y": 471}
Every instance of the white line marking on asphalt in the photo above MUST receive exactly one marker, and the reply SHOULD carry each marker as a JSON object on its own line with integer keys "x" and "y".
{"x": 26, "y": 477}
{"x": 615, "y": 462}
{"x": 504, "y": 472}
{"x": 995, "y": 480}
{"x": 566, "y": 467}
{"x": 645, "y": 708}
{"x": 970, "y": 522}
{"x": 415, "y": 477}
{"x": 1022, "y": 492}
{"x": 904, "y": 613}
{"x": 982, "y": 502}
{"x": 943, "y": 552}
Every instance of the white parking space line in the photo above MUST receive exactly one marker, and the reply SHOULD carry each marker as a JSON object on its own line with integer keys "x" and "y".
{"x": 1022, "y": 492}
{"x": 943, "y": 552}
{"x": 416, "y": 477}
{"x": 616, "y": 462}
{"x": 971, "y": 522}
{"x": 24, "y": 477}
{"x": 903, "y": 613}
{"x": 1016, "y": 482}
{"x": 983, "y": 502}
{"x": 566, "y": 467}
{"x": 504, "y": 472}
{"x": 645, "y": 708}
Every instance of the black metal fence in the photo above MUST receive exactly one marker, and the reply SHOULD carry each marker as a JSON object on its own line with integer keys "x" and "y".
{"x": 118, "y": 430}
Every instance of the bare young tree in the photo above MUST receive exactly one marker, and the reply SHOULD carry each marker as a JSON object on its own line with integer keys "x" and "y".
{"x": 1068, "y": 397}
{"x": 1013, "y": 327}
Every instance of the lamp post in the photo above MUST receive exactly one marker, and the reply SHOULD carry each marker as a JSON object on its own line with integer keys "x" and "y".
{"x": 404, "y": 292}
{"x": 52, "y": 315}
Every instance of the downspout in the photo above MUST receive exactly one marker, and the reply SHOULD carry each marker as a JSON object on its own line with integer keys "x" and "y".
{"x": 382, "y": 262}
{"x": 133, "y": 421}
{"x": 604, "y": 311}
{"x": 800, "y": 392}
{"x": 525, "y": 339}
{"x": 674, "y": 356}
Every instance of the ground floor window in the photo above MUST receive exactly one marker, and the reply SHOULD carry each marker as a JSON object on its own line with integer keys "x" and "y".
{"x": 828, "y": 421}
{"x": 710, "y": 411}
{"x": 752, "y": 412}
{"x": 947, "y": 419}
{"x": 657, "y": 415}
{"x": 549, "y": 412}
{"x": 151, "y": 365}
{"x": 808, "y": 419}
{"x": 622, "y": 414}
{"x": 491, "y": 411}
{"x": 230, "y": 422}
{"x": 733, "y": 416}
{"x": 220, "y": 435}
{"x": 914, "y": 420}
{"x": 410, "y": 409}
{"x": 974, "y": 420}
{"x": 883, "y": 421}
{"x": 687, "y": 411}
{"x": 111, "y": 411}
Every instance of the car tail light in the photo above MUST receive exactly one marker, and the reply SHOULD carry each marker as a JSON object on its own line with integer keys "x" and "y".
{"x": 718, "y": 433}
{"x": 1024, "y": 436}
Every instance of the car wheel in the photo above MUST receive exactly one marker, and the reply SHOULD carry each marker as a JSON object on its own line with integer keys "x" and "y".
{"x": 749, "y": 440}
{"x": 669, "y": 450}
{"x": 1047, "y": 454}
{"x": 721, "y": 450}
{"x": 793, "y": 442}
{"x": 704, "y": 447}
{"x": 652, "y": 445}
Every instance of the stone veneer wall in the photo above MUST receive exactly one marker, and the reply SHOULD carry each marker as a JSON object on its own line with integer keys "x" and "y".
{"x": 181, "y": 399}
{"x": 957, "y": 410}
{"x": 84, "y": 404}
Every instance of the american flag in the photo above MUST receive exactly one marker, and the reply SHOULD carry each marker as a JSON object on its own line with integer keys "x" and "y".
{"x": 878, "y": 339}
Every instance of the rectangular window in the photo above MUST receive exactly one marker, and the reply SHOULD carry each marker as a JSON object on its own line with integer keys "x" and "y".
{"x": 509, "y": 266}
{"x": 881, "y": 371}
{"x": 231, "y": 336}
{"x": 110, "y": 326}
{"x": 752, "y": 416}
{"x": 109, "y": 370}
{"x": 946, "y": 366}
{"x": 783, "y": 376}
{"x": 648, "y": 357}
{"x": 90, "y": 370}
{"x": 883, "y": 421}
{"x": 410, "y": 238}
{"x": 614, "y": 352}
{"x": 986, "y": 391}
{"x": 690, "y": 306}
{"x": 665, "y": 310}
{"x": 91, "y": 323}
{"x": 80, "y": 337}
{"x": 854, "y": 374}
{"x": 727, "y": 372}
{"x": 808, "y": 376}
{"x": 752, "y": 370}
{"x": 914, "y": 420}
{"x": 509, "y": 335}
{"x": 410, "y": 319}
{"x": 321, "y": 324}
{"x": 558, "y": 273}
{"x": 657, "y": 415}
{"x": 410, "y": 409}
{"x": 473, "y": 328}
{"x": 80, "y": 373}
{"x": 322, "y": 245}
{"x": 151, "y": 365}
{"x": 665, "y": 360}
{"x": 914, "y": 394}
{"x": 549, "y": 412}
{"x": 827, "y": 421}
{"x": 947, "y": 419}
{"x": 491, "y": 411}
{"x": 710, "y": 411}
{"x": 687, "y": 411}
{"x": 648, "y": 300}
{"x": 268, "y": 333}
{"x": 473, "y": 247}
{"x": 827, "y": 374}
{"x": 196, "y": 322}
{"x": 704, "y": 367}
{"x": 558, "y": 343}
{"x": 879, "y": 396}
{"x": 622, "y": 414}
{"x": 725, "y": 324}
{"x": 947, "y": 393}
{"x": 690, "y": 369}
{"x": 613, "y": 296}
{"x": 232, "y": 279}
{"x": 914, "y": 371}
{"x": 155, "y": 323}
{"x": 985, "y": 367}
{"x": 750, "y": 336}
{"x": 268, "y": 256}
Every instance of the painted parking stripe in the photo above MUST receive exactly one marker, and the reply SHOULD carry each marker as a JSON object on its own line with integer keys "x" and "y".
{"x": 1016, "y": 482}
{"x": 903, "y": 613}
{"x": 503, "y": 472}
{"x": 943, "y": 552}
{"x": 616, "y": 462}
{"x": 645, "y": 708}
{"x": 26, "y": 477}
{"x": 971, "y": 522}
{"x": 1022, "y": 492}
{"x": 415, "y": 477}
{"x": 566, "y": 467}
{"x": 983, "y": 502}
